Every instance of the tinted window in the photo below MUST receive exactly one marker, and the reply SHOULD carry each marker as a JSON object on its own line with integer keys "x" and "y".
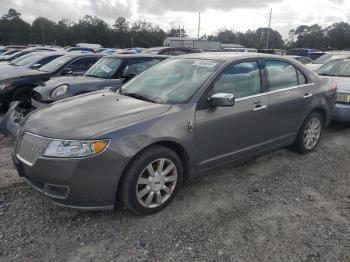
{"x": 281, "y": 75}
{"x": 47, "y": 60}
{"x": 82, "y": 64}
{"x": 179, "y": 52}
{"x": 241, "y": 80}
{"x": 137, "y": 66}
{"x": 166, "y": 52}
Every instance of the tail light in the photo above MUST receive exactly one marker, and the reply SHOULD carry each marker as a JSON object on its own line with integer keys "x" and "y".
{"x": 334, "y": 84}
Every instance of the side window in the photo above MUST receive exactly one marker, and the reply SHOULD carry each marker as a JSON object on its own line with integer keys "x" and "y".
{"x": 281, "y": 75}
{"x": 137, "y": 66}
{"x": 301, "y": 78}
{"x": 166, "y": 52}
{"x": 46, "y": 60}
{"x": 241, "y": 80}
{"x": 82, "y": 64}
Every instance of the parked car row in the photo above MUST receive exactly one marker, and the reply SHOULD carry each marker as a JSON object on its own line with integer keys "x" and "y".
{"x": 126, "y": 130}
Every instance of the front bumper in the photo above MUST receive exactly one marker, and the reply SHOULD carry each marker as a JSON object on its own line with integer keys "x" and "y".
{"x": 86, "y": 183}
{"x": 342, "y": 112}
{"x": 10, "y": 123}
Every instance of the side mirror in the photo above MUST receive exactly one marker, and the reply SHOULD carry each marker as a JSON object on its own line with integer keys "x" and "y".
{"x": 222, "y": 100}
{"x": 36, "y": 66}
{"x": 67, "y": 71}
{"x": 128, "y": 76}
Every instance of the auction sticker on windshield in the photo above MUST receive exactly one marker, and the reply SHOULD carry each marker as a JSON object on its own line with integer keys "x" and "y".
{"x": 106, "y": 69}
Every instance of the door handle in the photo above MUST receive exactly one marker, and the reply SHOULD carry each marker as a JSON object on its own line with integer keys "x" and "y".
{"x": 306, "y": 96}
{"x": 259, "y": 108}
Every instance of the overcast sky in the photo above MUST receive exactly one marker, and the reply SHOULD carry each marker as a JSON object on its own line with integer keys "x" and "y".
{"x": 240, "y": 15}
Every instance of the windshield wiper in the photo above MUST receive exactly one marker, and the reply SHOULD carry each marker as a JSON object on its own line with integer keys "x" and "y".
{"x": 93, "y": 76}
{"x": 324, "y": 74}
{"x": 138, "y": 96}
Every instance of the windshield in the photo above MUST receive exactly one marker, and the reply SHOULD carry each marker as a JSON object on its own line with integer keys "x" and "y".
{"x": 26, "y": 59}
{"x": 335, "y": 68}
{"x": 105, "y": 67}
{"x": 10, "y": 52}
{"x": 56, "y": 64}
{"x": 328, "y": 57}
{"x": 174, "y": 81}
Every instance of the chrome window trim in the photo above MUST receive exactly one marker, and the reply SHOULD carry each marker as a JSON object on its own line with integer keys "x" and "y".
{"x": 273, "y": 92}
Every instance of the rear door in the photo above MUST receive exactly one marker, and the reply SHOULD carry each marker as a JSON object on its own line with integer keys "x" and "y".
{"x": 290, "y": 99}
{"x": 226, "y": 134}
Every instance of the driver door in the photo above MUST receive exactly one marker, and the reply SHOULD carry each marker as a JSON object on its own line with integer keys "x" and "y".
{"x": 226, "y": 134}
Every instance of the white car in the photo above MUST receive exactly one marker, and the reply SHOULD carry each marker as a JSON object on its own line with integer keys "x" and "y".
{"x": 326, "y": 58}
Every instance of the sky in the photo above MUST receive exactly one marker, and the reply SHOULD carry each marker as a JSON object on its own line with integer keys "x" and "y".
{"x": 239, "y": 15}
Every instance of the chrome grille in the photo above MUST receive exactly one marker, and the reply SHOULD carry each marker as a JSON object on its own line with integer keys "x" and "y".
{"x": 30, "y": 147}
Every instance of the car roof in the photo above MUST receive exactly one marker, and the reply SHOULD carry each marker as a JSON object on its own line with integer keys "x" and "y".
{"x": 229, "y": 57}
{"x": 82, "y": 54}
{"x": 138, "y": 56}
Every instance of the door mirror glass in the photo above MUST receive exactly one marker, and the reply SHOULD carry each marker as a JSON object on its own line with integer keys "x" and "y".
{"x": 36, "y": 66}
{"x": 222, "y": 100}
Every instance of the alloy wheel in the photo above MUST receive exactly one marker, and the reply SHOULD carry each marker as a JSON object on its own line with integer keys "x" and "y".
{"x": 312, "y": 133}
{"x": 156, "y": 183}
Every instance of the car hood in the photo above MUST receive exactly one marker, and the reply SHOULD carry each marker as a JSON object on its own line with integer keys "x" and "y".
{"x": 88, "y": 115}
{"x": 11, "y": 69}
{"x": 46, "y": 88}
{"x": 27, "y": 73}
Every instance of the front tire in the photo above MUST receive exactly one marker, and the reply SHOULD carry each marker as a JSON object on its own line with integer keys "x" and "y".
{"x": 23, "y": 95}
{"x": 151, "y": 181}
{"x": 309, "y": 134}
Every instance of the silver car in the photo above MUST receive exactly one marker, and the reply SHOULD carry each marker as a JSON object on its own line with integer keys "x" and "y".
{"x": 174, "y": 121}
{"x": 339, "y": 72}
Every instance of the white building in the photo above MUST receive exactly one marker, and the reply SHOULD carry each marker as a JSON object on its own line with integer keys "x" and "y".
{"x": 191, "y": 43}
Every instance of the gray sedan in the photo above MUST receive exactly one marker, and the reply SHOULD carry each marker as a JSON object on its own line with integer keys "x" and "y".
{"x": 174, "y": 121}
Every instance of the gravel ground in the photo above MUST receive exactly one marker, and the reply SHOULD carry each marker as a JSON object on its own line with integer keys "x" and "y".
{"x": 279, "y": 207}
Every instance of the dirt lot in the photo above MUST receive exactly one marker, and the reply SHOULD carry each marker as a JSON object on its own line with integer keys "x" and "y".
{"x": 279, "y": 207}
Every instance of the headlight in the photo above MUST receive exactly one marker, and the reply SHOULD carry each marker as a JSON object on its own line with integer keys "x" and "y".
{"x": 60, "y": 90}
{"x": 343, "y": 98}
{"x": 71, "y": 148}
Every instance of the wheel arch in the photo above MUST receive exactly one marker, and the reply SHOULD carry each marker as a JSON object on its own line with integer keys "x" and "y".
{"x": 172, "y": 145}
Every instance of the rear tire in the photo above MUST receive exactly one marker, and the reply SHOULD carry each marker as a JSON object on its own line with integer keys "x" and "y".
{"x": 151, "y": 181}
{"x": 309, "y": 134}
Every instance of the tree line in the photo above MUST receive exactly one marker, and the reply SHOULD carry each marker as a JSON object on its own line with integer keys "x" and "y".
{"x": 141, "y": 33}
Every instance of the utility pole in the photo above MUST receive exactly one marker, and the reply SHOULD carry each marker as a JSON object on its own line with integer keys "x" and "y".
{"x": 199, "y": 24}
{"x": 268, "y": 31}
